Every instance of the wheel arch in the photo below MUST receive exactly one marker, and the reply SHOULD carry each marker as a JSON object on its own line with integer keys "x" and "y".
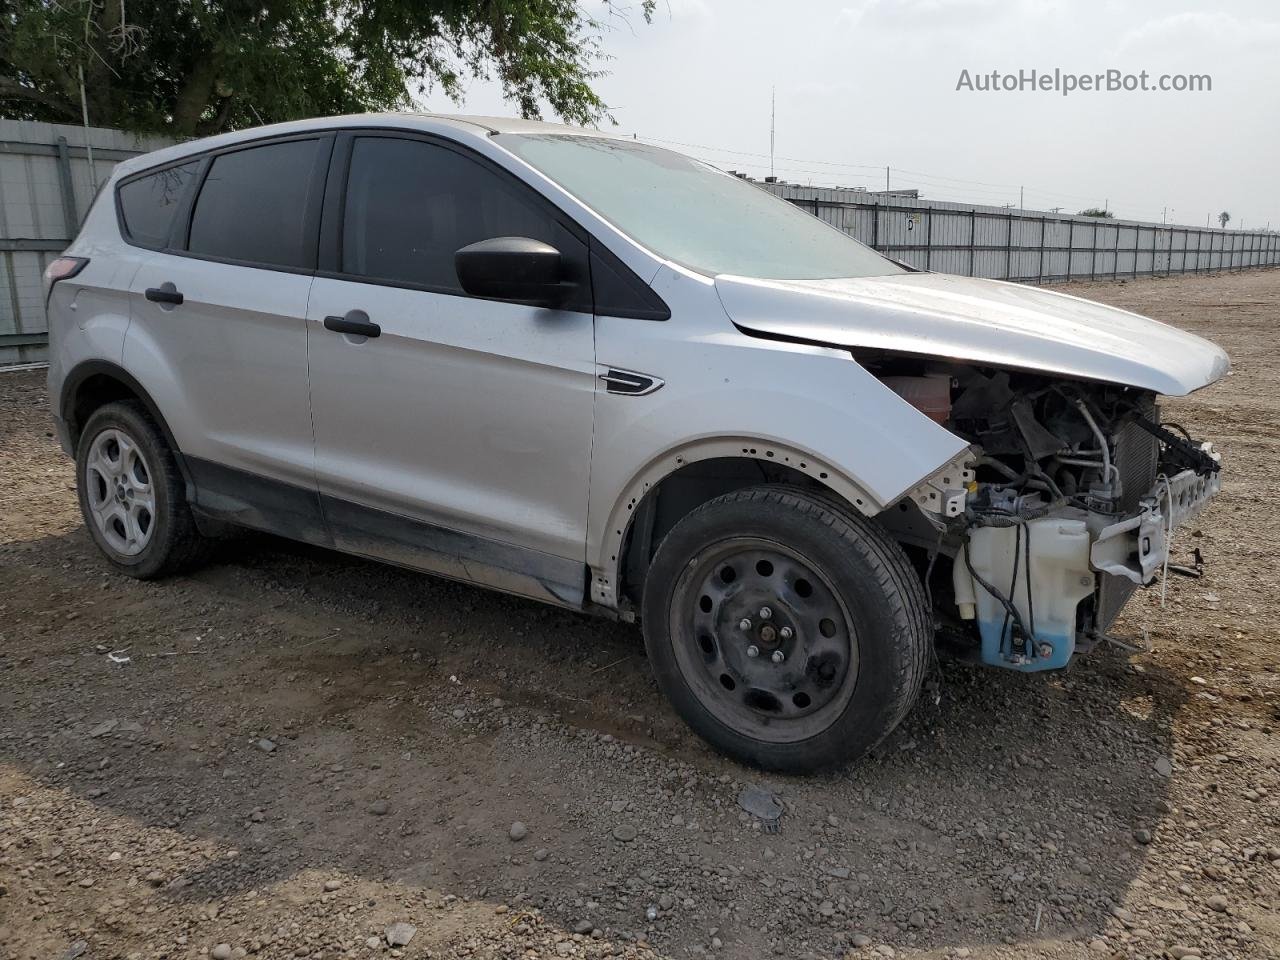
{"x": 94, "y": 383}
{"x": 682, "y": 479}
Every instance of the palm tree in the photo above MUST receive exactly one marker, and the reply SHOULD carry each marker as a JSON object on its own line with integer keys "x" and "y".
{"x": 1224, "y": 218}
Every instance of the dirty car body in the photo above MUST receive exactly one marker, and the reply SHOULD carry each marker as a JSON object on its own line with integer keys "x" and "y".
{"x": 605, "y": 376}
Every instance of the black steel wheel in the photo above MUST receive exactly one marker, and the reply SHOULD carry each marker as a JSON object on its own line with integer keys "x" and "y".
{"x": 787, "y": 631}
{"x": 773, "y": 639}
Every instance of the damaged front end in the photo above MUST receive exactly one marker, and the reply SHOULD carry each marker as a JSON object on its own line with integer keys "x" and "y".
{"x": 1065, "y": 505}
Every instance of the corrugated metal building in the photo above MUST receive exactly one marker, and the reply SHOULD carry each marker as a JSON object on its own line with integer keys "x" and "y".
{"x": 45, "y": 190}
{"x": 1027, "y": 245}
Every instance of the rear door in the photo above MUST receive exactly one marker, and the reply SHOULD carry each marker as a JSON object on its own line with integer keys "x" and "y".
{"x": 459, "y": 438}
{"x": 219, "y": 321}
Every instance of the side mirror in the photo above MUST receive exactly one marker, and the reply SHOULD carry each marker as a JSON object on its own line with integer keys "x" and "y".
{"x": 512, "y": 268}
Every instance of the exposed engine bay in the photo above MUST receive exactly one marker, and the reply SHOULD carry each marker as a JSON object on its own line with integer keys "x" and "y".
{"x": 1065, "y": 504}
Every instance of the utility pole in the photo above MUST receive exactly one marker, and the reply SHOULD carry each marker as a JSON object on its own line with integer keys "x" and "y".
{"x": 1164, "y": 215}
{"x": 773, "y": 116}
{"x": 886, "y": 179}
{"x": 1021, "y": 204}
{"x": 1106, "y": 204}
{"x": 84, "y": 114}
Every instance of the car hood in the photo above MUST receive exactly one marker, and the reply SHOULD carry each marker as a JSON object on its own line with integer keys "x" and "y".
{"x": 980, "y": 321}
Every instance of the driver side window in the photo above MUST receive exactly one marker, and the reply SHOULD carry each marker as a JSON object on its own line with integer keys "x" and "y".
{"x": 410, "y": 205}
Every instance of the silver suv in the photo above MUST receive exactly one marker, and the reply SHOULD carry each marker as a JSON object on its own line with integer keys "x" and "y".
{"x": 605, "y": 376}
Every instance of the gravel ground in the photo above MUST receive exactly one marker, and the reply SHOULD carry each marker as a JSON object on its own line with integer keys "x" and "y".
{"x": 303, "y": 750}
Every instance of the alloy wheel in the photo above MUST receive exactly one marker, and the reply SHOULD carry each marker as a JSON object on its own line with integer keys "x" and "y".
{"x": 121, "y": 495}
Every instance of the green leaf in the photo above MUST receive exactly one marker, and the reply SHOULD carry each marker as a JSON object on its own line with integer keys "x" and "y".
{"x": 196, "y": 67}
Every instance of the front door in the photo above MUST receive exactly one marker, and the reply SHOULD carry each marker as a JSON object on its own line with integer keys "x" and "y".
{"x": 457, "y": 438}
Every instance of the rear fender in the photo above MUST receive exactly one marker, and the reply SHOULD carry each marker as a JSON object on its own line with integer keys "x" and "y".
{"x": 88, "y": 369}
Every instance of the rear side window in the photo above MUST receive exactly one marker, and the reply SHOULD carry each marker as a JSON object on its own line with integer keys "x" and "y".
{"x": 253, "y": 205}
{"x": 411, "y": 205}
{"x": 149, "y": 204}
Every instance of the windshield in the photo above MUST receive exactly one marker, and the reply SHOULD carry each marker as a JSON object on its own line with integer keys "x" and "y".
{"x": 685, "y": 211}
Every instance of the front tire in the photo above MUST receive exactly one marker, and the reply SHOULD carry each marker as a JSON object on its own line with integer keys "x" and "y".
{"x": 789, "y": 633}
{"x": 132, "y": 495}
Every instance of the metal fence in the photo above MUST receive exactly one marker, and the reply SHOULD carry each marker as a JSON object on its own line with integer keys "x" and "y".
{"x": 46, "y": 186}
{"x": 1026, "y": 245}
{"x": 47, "y": 182}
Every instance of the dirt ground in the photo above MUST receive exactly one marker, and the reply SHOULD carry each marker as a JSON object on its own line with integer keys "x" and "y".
{"x": 290, "y": 750}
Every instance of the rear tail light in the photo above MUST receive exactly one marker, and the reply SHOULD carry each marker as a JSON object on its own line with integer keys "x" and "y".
{"x": 64, "y": 268}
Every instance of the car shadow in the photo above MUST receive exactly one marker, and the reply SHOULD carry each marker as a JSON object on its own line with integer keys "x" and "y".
{"x": 320, "y": 714}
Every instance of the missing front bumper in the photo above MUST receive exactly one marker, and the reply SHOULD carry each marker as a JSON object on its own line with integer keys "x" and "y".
{"x": 1138, "y": 546}
{"x": 1023, "y": 581}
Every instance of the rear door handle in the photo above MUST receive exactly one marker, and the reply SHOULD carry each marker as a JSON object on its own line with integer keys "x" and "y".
{"x": 165, "y": 293}
{"x": 355, "y": 322}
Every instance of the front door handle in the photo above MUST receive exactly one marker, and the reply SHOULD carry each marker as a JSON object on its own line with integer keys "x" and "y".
{"x": 165, "y": 293}
{"x": 355, "y": 322}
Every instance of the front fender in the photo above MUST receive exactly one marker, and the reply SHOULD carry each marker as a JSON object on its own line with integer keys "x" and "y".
{"x": 725, "y": 393}
{"x": 605, "y": 573}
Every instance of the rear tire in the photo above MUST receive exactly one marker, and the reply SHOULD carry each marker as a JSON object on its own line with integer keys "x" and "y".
{"x": 132, "y": 495}
{"x": 788, "y": 632}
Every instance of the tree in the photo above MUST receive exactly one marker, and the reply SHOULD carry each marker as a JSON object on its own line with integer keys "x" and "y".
{"x": 1224, "y": 218}
{"x": 196, "y": 67}
{"x": 1096, "y": 212}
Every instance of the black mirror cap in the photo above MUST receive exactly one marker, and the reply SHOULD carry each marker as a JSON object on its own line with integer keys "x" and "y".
{"x": 519, "y": 269}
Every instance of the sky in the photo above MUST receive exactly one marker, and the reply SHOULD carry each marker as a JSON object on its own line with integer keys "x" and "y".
{"x": 865, "y": 84}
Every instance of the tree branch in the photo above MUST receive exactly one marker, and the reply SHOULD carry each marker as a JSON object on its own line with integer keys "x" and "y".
{"x": 193, "y": 98}
{"x": 13, "y": 90}
{"x": 218, "y": 123}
